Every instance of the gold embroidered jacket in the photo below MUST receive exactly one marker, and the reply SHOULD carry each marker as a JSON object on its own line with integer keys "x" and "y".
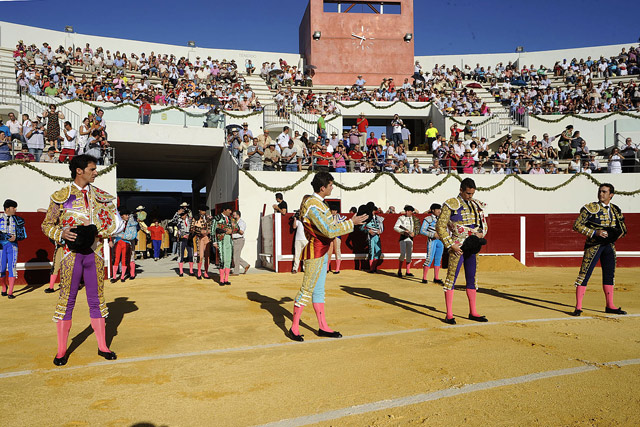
{"x": 595, "y": 216}
{"x": 67, "y": 210}
{"x": 460, "y": 219}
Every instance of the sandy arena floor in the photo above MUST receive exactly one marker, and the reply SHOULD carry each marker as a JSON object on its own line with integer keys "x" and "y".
{"x": 191, "y": 353}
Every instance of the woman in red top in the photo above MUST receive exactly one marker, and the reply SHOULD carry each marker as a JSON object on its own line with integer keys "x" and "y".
{"x": 322, "y": 159}
{"x": 157, "y": 231}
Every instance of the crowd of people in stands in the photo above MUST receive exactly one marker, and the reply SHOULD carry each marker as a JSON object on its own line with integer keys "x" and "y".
{"x": 43, "y": 139}
{"x": 358, "y": 150}
{"x": 161, "y": 79}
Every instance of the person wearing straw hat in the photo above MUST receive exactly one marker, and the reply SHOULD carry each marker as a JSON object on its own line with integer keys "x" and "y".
{"x": 141, "y": 242}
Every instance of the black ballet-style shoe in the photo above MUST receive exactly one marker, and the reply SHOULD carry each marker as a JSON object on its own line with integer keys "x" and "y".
{"x": 295, "y": 337}
{"x": 132, "y": 277}
{"x": 4, "y": 294}
{"x": 60, "y": 361}
{"x": 478, "y": 318}
{"x": 181, "y": 274}
{"x": 336, "y": 272}
{"x": 12, "y": 296}
{"x": 334, "y": 334}
{"x": 451, "y": 321}
{"x": 199, "y": 277}
{"x": 223, "y": 283}
{"x": 228, "y": 283}
{"x": 618, "y": 310}
{"x": 122, "y": 280}
{"x": 113, "y": 280}
{"x": 409, "y": 274}
{"x": 399, "y": 274}
{"x": 109, "y": 355}
{"x": 49, "y": 291}
{"x": 438, "y": 281}
{"x": 425, "y": 281}
{"x": 576, "y": 313}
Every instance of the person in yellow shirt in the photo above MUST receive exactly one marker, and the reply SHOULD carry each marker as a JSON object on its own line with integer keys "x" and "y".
{"x": 431, "y": 134}
{"x": 382, "y": 141}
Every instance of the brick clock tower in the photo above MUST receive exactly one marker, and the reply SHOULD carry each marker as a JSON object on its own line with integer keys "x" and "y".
{"x": 342, "y": 39}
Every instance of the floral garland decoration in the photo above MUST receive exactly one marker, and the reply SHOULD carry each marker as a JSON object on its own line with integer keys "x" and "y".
{"x": 127, "y": 104}
{"x": 49, "y": 176}
{"x": 436, "y": 185}
{"x": 311, "y": 122}
{"x": 384, "y": 107}
{"x": 472, "y": 124}
{"x": 581, "y": 117}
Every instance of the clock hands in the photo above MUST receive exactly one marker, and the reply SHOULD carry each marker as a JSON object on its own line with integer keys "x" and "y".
{"x": 358, "y": 37}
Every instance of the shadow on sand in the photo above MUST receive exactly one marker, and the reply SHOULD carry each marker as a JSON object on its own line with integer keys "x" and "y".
{"x": 117, "y": 309}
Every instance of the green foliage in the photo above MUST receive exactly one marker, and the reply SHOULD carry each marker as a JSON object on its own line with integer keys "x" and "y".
{"x": 128, "y": 184}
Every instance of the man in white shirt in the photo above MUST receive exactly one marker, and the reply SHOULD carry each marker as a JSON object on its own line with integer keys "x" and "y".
{"x": 299, "y": 242}
{"x": 408, "y": 227}
{"x": 238, "y": 244}
{"x": 283, "y": 139}
{"x": 15, "y": 128}
{"x": 69, "y": 143}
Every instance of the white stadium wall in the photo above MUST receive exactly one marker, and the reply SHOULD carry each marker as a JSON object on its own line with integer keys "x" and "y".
{"x": 544, "y": 57}
{"x": 32, "y": 190}
{"x": 11, "y": 33}
{"x": 511, "y": 197}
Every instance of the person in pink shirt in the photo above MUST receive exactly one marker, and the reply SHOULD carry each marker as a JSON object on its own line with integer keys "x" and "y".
{"x": 340, "y": 163}
{"x": 536, "y": 169}
{"x": 372, "y": 141}
{"x": 467, "y": 162}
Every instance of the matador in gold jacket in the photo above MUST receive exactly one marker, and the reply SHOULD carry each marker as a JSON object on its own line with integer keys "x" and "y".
{"x": 602, "y": 222}
{"x": 461, "y": 217}
{"x": 81, "y": 204}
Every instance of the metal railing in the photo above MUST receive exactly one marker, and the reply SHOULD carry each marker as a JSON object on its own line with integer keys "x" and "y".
{"x": 520, "y": 118}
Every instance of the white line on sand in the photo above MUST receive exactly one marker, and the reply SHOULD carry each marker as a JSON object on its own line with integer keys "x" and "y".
{"x": 288, "y": 343}
{"x": 440, "y": 394}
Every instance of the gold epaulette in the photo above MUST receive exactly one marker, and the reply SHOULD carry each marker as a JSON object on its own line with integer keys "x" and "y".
{"x": 453, "y": 203}
{"x": 482, "y": 205}
{"x": 593, "y": 207}
{"x": 101, "y": 195}
{"x": 61, "y": 195}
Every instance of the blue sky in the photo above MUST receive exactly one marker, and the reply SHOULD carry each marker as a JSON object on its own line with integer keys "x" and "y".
{"x": 440, "y": 27}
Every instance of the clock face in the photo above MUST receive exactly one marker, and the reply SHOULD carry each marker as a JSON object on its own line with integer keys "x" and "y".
{"x": 361, "y": 38}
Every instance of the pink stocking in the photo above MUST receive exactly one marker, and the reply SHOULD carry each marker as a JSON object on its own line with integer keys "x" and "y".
{"x": 425, "y": 270}
{"x": 408, "y": 266}
{"x": 115, "y": 272}
{"x": 322, "y": 322}
{"x": 191, "y": 268}
{"x": 199, "y": 266}
{"x": 436, "y": 272}
{"x": 132, "y": 269}
{"x": 98, "y": 326}
{"x": 471, "y": 295}
{"x": 123, "y": 272}
{"x": 4, "y": 284}
{"x": 52, "y": 280}
{"x": 180, "y": 266}
{"x": 12, "y": 281}
{"x": 338, "y": 262}
{"x": 448, "y": 299}
{"x": 297, "y": 312}
{"x": 63, "y": 327}
{"x": 608, "y": 294}
{"x": 580, "y": 290}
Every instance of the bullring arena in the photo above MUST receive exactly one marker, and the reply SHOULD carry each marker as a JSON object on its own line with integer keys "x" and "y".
{"x": 194, "y": 352}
